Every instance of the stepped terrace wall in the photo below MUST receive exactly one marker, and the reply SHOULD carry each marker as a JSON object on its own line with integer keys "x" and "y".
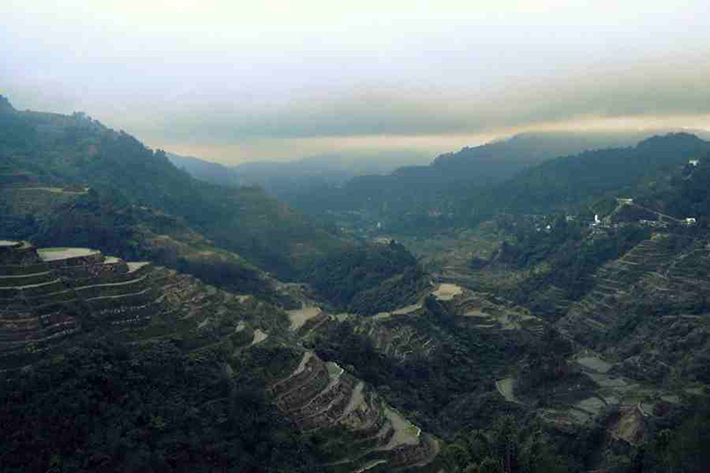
{"x": 43, "y": 294}
{"x": 22, "y": 269}
{"x": 132, "y": 286}
{"x": 31, "y": 290}
{"x": 58, "y": 258}
{"x": 16, "y": 253}
{"x": 26, "y": 280}
{"x": 104, "y": 270}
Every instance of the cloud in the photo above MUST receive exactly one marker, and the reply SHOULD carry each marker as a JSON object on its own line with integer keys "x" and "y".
{"x": 241, "y": 81}
{"x": 673, "y": 89}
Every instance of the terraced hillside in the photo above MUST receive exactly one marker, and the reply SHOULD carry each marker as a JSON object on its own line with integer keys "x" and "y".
{"x": 664, "y": 275}
{"x": 52, "y": 300}
{"x": 322, "y": 397}
{"x": 601, "y": 311}
{"x": 70, "y": 180}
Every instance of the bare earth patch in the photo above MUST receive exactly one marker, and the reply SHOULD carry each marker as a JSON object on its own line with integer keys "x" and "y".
{"x": 301, "y": 316}
{"x": 476, "y": 313}
{"x": 131, "y": 266}
{"x": 629, "y": 427}
{"x": 593, "y": 405}
{"x": 505, "y": 388}
{"x": 259, "y": 336}
{"x": 405, "y": 433}
{"x": 595, "y": 364}
{"x": 54, "y": 254}
{"x": 446, "y": 291}
{"x": 407, "y": 310}
{"x": 334, "y": 369}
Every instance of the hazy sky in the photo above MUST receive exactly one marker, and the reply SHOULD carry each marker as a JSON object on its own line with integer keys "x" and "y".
{"x": 235, "y": 81}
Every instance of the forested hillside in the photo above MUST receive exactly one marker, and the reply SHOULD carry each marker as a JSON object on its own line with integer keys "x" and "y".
{"x": 416, "y": 198}
{"x": 567, "y": 182}
{"x": 553, "y": 320}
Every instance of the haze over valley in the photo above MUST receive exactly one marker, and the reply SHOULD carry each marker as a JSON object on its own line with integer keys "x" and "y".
{"x": 382, "y": 237}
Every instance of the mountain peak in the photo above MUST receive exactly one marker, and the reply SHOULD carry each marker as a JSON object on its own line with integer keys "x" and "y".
{"x": 670, "y": 138}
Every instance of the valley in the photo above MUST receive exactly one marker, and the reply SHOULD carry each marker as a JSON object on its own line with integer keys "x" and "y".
{"x": 555, "y": 317}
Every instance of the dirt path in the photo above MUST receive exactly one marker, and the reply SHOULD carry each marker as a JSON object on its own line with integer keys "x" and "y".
{"x": 407, "y": 310}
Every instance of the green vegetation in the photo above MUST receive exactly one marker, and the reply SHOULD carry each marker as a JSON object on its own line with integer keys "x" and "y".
{"x": 369, "y": 279}
{"x": 684, "y": 448}
{"x": 566, "y": 257}
{"x": 140, "y": 206}
{"x": 107, "y": 407}
{"x": 507, "y": 446}
{"x": 169, "y": 374}
{"x": 133, "y": 186}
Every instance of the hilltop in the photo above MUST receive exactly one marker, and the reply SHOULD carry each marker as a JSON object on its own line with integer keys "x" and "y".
{"x": 70, "y": 180}
{"x": 556, "y": 319}
{"x": 415, "y": 198}
{"x": 288, "y": 179}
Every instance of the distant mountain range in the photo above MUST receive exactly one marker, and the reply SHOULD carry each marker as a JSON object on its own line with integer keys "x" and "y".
{"x": 287, "y": 178}
{"x": 68, "y": 180}
{"x": 415, "y": 197}
{"x": 139, "y": 202}
{"x": 567, "y": 182}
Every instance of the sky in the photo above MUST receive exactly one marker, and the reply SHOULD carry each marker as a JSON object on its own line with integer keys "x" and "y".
{"x": 235, "y": 81}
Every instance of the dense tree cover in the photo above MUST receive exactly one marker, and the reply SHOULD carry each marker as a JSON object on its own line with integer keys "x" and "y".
{"x": 684, "y": 448}
{"x": 569, "y": 181}
{"x": 565, "y": 256}
{"x": 688, "y": 193}
{"x": 424, "y": 199}
{"x": 546, "y": 368}
{"x": 507, "y": 446}
{"x": 101, "y": 406}
{"x": 445, "y": 391}
{"x": 369, "y": 279}
{"x": 40, "y": 149}
{"x": 140, "y": 206}
{"x": 461, "y": 189}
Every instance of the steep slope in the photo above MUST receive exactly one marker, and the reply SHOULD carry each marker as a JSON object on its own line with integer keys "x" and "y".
{"x": 288, "y": 179}
{"x": 43, "y": 156}
{"x": 609, "y": 314}
{"x": 204, "y": 170}
{"x": 417, "y": 198}
{"x": 166, "y": 367}
{"x": 566, "y": 182}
